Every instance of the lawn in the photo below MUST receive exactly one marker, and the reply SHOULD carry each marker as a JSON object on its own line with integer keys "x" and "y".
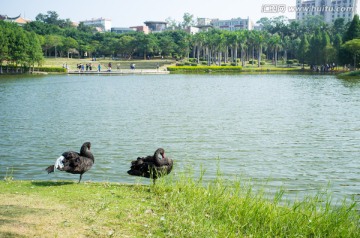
{"x": 122, "y": 64}
{"x": 181, "y": 207}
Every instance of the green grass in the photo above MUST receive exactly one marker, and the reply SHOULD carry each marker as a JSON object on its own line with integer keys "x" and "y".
{"x": 204, "y": 68}
{"x": 124, "y": 64}
{"x": 174, "y": 207}
{"x": 350, "y": 75}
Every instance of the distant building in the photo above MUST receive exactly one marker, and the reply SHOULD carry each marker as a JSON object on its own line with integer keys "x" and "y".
{"x": 329, "y": 9}
{"x": 156, "y": 26}
{"x": 100, "y": 23}
{"x": 143, "y": 29}
{"x": 120, "y": 30}
{"x": 233, "y": 24}
{"x": 192, "y": 30}
{"x": 204, "y": 24}
{"x": 19, "y": 20}
{"x": 204, "y": 21}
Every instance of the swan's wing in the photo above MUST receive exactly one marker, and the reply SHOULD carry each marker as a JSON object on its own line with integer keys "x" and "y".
{"x": 68, "y": 155}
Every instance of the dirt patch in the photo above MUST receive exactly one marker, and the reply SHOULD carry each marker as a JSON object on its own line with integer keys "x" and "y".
{"x": 32, "y": 216}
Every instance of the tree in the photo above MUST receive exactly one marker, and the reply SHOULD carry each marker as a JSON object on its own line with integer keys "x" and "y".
{"x": 146, "y": 44}
{"x": 199, "y": 42}
{"x": 275, "y": 42}
{"x": 126, "y": 46}
{"x": 353, "y": 31}
{"x": 315, "y": 48}
{"x": 303, "y": 49}
{"x": 337, "y": 45}
{"x": 353, "y": 47}
{"x": 172, "y": 23}
{"x": 166, "y": 44}
{"x": 338, "y": 26}
{"x": 68, "y": 44}
{"x": 259, "y": 41}
{"x": 188, "y": 20}
{"x": 4, "y": 42}
{"x": 326, "y": 48}
{"x": 34, "y": 50}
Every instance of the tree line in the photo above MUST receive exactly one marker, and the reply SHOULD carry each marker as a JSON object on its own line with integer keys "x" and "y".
{"x": 310, "y": 41}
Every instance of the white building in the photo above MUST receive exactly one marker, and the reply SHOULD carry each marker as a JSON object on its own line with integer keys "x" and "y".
{"x": 329, "y": 9}
{"x": 104, "y": 24}
{"x": 233, "y": 24}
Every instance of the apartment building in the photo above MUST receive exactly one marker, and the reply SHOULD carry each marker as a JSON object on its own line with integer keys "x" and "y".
{"x": 329, "y": 9}
{"x": 102, "y": 23}
{"x": 230, "y": 25}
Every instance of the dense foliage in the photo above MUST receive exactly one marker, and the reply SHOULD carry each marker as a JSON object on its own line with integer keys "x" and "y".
{"x": 19, "y": 47}
{"x": 310, "y": 41}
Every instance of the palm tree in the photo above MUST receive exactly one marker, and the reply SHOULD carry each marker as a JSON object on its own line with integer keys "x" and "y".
{"x": 199, "y": 42}
{"x": 275, "y": 41}
{"x": 260, "y": 40}
{"x": 242, "y": 43}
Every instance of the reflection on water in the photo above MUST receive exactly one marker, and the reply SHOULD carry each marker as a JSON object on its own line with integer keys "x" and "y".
{"x": 301, "y": 132}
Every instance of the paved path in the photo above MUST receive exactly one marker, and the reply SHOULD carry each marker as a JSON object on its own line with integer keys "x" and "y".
{"x": 122, "y": 71}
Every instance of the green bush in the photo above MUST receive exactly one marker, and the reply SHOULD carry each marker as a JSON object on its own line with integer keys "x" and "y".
{"x": 204, "y": 68}
{"x": 204, "y": 62}
{"x": 290, "y": 62}
{"x": 262, "y": 63}
{"x": 193, "y": 60}
{"x": 194, "y": 64}
{"x": 252, "y": 61}
{"x": 50, "y": 69}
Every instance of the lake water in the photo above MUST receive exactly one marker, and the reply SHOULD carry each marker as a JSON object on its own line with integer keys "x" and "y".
{"x": 299, "y": 132}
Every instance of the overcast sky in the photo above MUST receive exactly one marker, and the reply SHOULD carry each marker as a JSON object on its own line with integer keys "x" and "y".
{"x": 125, "y": 13}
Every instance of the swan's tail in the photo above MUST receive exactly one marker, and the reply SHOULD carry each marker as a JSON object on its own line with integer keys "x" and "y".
{"x": 50, "y": 169}
{"x": 59, "y": 163}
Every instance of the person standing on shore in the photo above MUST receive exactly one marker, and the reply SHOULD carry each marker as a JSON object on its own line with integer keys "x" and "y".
{"x": 99, "y": 67}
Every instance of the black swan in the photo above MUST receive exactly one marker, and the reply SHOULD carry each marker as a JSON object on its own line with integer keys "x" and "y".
{"x": 152, "y": 166}
{"x": 73, "y": 162}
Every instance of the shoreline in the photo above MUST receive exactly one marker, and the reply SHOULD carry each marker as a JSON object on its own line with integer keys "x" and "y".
{"x": 120, "y": 72}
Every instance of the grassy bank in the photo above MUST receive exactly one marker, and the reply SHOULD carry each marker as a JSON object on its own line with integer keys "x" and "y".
{"x": 121, "y": 64}
{"x": 350, "y": 75}
{"x": 203, "y": 69}
{"x": 181, "y": 208}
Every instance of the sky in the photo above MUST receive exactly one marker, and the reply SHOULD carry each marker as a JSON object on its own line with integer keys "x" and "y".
{"x": 126, "y": 13}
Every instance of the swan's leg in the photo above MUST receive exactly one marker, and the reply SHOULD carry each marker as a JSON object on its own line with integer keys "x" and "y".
{"x": 80, "y": 178}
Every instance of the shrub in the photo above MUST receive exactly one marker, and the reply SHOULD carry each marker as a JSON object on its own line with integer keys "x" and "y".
{"x": 50, "y": 69}
{"x": 192, "y": 60}
{"x": 202, "y": 68}
{"x": 204, "y": 62}
{"x": 252, "y": 61}
{"x": 290, "y": 62}
{"x": 262, "y": 63}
